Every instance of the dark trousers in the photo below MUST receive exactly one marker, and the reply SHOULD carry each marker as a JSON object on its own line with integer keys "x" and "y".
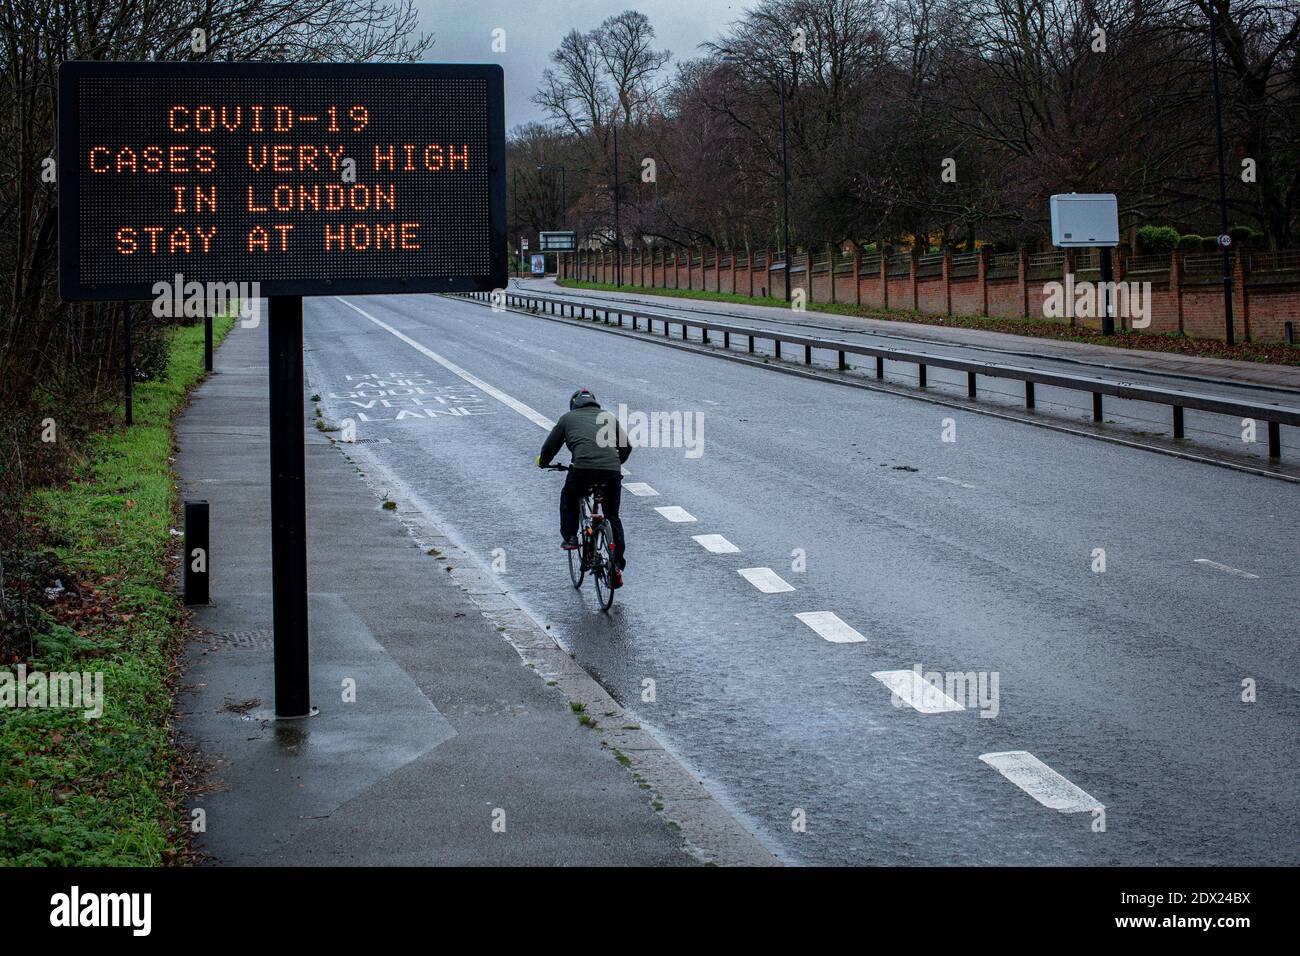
{"x": 578, "y": 483}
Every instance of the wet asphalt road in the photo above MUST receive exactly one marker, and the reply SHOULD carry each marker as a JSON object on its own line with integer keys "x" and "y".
{"x": 966, "y": 556}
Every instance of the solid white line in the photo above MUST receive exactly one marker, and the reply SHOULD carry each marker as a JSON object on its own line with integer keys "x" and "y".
{"x": 765, "y": 579}
{"x": 952, "y": 481}
{"x": 829, "y": 626}
{"x": 917, "y": 692}
{"x": 640, "y": 489}
{"x": 674, "y": 513}
{"x": 1223, "y": 567}
{"x": 534, "y": 416}
{"x": 1041, "y": 782}
{"x": 715, "y": 543}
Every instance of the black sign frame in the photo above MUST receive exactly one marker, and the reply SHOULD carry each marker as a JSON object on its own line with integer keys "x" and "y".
{"x": 71, "y": 289}
{"x": 570, "y": 245}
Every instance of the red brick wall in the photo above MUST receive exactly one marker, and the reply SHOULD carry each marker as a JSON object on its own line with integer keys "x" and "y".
{"x": 1004, "y": 298}
{"x": 1036, "y": 299}
{"x": 1164, "y": 311}
{"x": 1271, "y": 306}
{"x": 900, "y": 292}
{"x": 871, "y": 291}
{"x": 844, "y": 289}
{"x": 1261, "y": 308}
{"x": 821, "y": 288}
{"x": 1203, "y": 309}
{"x": 929, "y": 295}
{"x": 967, "y": 299}
{"x": 798, "y": 280}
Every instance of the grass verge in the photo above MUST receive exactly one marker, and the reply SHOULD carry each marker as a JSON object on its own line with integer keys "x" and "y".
{"x": 1274, "y": 353}
{"x": 106, "y": 791}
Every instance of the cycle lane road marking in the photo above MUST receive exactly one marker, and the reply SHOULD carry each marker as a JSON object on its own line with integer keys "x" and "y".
{"x": 530, "y": 413}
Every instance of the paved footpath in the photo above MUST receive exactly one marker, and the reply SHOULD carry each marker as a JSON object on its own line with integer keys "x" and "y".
{"x": 1255, "y": 374}
{"x": 446, "y": 733}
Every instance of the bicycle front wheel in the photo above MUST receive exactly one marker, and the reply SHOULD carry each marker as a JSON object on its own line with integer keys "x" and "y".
{"x": 603, "y": 565}
{"x": 577, "y": 568}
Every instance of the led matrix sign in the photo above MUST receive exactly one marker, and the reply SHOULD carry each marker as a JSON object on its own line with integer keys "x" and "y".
{"x": 311, "y": 179}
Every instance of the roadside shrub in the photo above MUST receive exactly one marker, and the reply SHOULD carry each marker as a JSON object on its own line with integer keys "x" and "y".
{"x": 1194, "y": 243}
{"x": 1245, "y": 236}
{"x": 1157, "y": 240}
{"x": 151, "y": 346}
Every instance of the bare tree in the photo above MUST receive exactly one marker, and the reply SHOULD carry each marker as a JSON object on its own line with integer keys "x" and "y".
{"x": 574, "y": 93}
{"x": 42, "y": 338}
{"x": 624, "y": 44}
{"x": 1258, "y": 41}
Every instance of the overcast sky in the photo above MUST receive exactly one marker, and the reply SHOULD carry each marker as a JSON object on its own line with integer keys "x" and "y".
{"x": 463, "y": 34}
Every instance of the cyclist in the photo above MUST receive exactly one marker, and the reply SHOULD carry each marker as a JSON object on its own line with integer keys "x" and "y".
{"x": 599, "y": 447}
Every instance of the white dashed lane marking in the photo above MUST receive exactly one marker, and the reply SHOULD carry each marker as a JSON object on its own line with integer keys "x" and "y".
{"x": 1041, "y": 782}
{"x": 953, "y": 481}
{"x": 640, "y": 489}
{"x": 715, "y": 543}
{"x": 917, "y": 692}
{"x": 1227, "y": 570}
{"x": 675, "y": 513}
{"x": 829, "y": 626}
{"x": 765, "y": 579}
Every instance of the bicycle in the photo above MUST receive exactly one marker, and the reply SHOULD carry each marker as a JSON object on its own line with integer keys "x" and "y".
{"x": 595, "y": 551}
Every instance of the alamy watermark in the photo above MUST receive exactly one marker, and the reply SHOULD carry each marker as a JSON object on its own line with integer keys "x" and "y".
{"x": 181, "y": 299}
{"x": 972, "y": 690}
{"x": 74, "y": 908}
{"x": 78, "y": 690}
{"x": 1084, "y": 300}
{"x": 676, "y": 429}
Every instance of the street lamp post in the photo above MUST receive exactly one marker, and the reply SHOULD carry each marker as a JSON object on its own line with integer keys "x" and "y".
{"x": 785, "y": 189}
{"x": 618, "y": 235}
{"x": 515, "y": 190}
{"x": 1223, "y": 185}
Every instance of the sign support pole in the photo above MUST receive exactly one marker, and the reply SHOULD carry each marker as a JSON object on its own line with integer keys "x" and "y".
{"x": 1107, "y": 274}
{"x": 128, "y": 366}
{"x": 288, "y": 508}
{"x": 207, "y": 340}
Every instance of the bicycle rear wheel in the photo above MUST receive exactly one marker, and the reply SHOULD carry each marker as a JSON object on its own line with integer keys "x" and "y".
{"x": 603, "y": 565}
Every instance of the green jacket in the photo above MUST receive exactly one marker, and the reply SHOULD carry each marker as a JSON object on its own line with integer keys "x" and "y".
{"x": 594, "y": 438}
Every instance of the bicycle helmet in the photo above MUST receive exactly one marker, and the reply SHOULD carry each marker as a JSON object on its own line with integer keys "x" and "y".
{"x": 581, "y": 398}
